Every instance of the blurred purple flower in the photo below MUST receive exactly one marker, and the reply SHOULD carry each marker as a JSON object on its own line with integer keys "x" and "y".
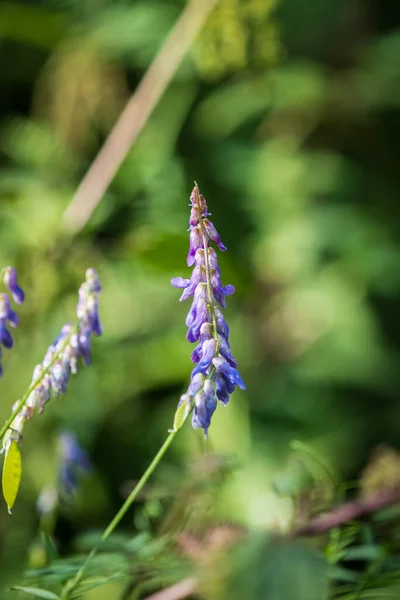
{"x": 8, "y": 317}
{"x": 10, "y": 280}
{"x": 73, "y": 460}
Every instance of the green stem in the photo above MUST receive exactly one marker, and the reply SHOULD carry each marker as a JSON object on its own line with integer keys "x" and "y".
{"x": 70, "y": 586}
{"x": 34, "y": 384}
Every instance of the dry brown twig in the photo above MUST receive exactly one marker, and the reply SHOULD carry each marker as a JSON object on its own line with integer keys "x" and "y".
{"x": 351, "y": 510}
{"x": 178, "y": 591}
{"x": 136, "y": 113}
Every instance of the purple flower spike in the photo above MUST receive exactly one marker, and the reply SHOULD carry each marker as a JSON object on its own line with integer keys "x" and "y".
{"x": 215, "y": 375}
{"x": 51, "y": 377}
{"x": 10, "y": 279}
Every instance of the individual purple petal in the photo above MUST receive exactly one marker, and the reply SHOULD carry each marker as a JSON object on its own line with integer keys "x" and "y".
{"x": 221, "y": 388}
{"x": 205, "y": 404}
{"x": 200, "y": 292}
{"x": 222, "y": 326}
{"x": 6, "y": 312}
{"x": 84, "y": 346}
{"x": 196, "y": 354}
{"x": 213, "y": 234}
{"x": 194, "y": 216}
{"x": 180, "y": 282}
{"x": 196, "y": 384}
{"x": 5, "y": 336}
{"x": 219, "y": 296}
{"x": 191, "y": 316}
{"x": 59, "y": 376}
{"x": 202, "y": 315}
{"x": 202, "y": 204}
{"x": 193, "y": 283}
{"x": 195, "y": 244}
{"x": 226, "y": 351}
{"x": 206, "y": 332}
{"x": 212, "y": 259}
{"x": 92, "y": 315}
{"x": 13, "y": 318}
{"x": 206, "y": 358}
{"x": 228, "y": 290}
{"x": 230, "y": 372}
{"x": 10, "y": 279}
{"x": 199, "y": 258}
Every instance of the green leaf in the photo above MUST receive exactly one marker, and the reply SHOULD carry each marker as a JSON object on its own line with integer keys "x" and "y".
{"x": 276, "y": 569}
{"x": 341, "y": 574}
{"x": 181, "y": 414}
{"x": 94, "y": 582}
{"x": 51, "y": 550}
{"x": 37, "y": 592}
{"x": 364, "y": 553}
{"x": 12, "y": 471}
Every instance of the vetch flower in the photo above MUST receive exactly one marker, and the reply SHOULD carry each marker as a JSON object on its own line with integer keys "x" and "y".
{"x": 50, "y": 378}
{"x": 215, "y": 375}
{"x": 73, "y": 459}
{"x": 8, "y": 317}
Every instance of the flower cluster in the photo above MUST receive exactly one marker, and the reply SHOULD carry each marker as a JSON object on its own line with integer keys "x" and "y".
{"x": 7, "y": 315}
{"x": 215, "y": 375}
{"x": 50, "y": 378}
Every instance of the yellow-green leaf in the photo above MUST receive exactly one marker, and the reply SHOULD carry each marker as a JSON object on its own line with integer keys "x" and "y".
{"x": 12, "y": 471}
{"x": 182, "y": 412}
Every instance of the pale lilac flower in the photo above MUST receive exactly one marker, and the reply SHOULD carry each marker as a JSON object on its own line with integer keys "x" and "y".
{"x": 51, "y": 377}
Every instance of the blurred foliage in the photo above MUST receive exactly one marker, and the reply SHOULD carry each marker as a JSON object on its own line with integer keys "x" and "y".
{"x": 287, "y": 114}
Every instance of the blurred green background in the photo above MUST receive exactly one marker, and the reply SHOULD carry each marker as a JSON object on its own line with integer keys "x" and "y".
{"x": 287, "y": 114}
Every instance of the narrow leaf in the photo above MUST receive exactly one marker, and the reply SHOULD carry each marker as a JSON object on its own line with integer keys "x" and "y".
{"x": 37, "y": 592}
{"x": 49, "y": 547}
{"x": 12, "y": 471}
{"x": 364, "y": 553}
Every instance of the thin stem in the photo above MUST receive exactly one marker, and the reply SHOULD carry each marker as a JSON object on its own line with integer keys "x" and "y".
{"x": 35, "y": 383}
{"x": 70, "y": 586}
